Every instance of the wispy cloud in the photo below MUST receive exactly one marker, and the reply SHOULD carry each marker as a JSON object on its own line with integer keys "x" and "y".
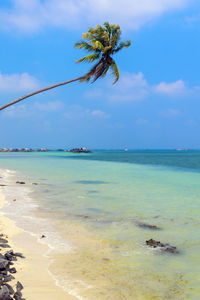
{"x": 170, "y": 113}
{"x": 171, "y": 89}
{"x": 76, "y": 112}
{"x": 141, "y": 121}
{"x": 49, "y": 106}
{"x": 26, "y": 111}
{"x": 131, "y": 87}
{"x": 135, "y": 87}
{"x": 12, "y": 83}
{"x": 32, "y": 15}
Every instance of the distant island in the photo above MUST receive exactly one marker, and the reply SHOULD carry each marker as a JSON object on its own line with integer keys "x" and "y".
{"x": 74, "y": 150}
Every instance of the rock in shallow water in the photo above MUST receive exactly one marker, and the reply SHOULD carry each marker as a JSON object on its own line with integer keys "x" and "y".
{"x": 148, "y": 226}
{"x": 164, "y": 247}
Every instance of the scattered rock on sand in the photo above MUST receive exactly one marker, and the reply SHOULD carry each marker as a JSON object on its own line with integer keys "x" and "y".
{"x": 19, "y": 286}
{"x": 7, "y": 292}
{"x": 164, "y": 247}
{"x": 43, "y": 236}
{"x": 4, "y": 293}
{"x": 3, "y": 241}
{"x": 4, "y": 246}
{"x": 20, "y": 182}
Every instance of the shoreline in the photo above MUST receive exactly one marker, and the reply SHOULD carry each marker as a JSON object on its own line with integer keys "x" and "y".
{"x": 32, "y": 271}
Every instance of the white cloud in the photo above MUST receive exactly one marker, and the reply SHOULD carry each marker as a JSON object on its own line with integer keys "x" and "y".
{"x": 99, "y": 114}
{"x": 31, "y": 15}
{"x": 131, "y": 87}
{"x": 135, "y": 87}
{"x": 76, "y": 112}
{"x": 171, "y": 89}
{"x": 17, "y": 83}
{"x": 26, "y": 111}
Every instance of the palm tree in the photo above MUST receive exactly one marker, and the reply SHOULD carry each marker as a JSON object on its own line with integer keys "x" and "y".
{"x": 103, "y": 42}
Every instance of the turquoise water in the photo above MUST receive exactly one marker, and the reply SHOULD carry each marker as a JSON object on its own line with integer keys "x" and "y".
{"x": 103, "y": 196}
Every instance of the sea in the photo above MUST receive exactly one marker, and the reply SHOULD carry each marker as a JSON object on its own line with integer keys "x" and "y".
{"x": 92, "y": 208}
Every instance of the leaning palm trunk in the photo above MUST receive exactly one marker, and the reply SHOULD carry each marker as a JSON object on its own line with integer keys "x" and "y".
{"x": 39, "y": 91}
{"x": 103, "y": 42}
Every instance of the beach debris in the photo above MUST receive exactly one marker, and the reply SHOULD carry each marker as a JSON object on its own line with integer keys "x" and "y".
{"x": 164, "y": 247}
{"x": 148, "y": 226}
{"x": 43, "y": 236}
{"x": 2, "y": 184}
{"x": 20, "y": 182}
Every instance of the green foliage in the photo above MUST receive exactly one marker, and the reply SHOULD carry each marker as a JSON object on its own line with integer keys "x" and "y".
{"x": 103, "y": 41}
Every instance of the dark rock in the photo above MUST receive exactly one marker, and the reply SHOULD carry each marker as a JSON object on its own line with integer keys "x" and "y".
{"x": 18, "y": 296}
{"x": 4, "y": 293}
{"x": 4, "y": 272}
{"x": 164, "y": 247}
{"x": 3, "y": 264}
{"x": 35, "y": 183}
{"x": 19, "y": 286}
{"x": 148, "y": 226}
{"x": 4, "y": 246}
{"x": 11, "y": 291}
{"x": 42, "y": 236}
{"x": 8, "y": 278}
{"x": 12, "y": 270}
{"x": 14, "y": 200}
{"x": 18, "y": 254}
{"x": 20, "y": 182}
{"x": 10, "y": 257}
{"x": 10, "y": 252}
{"x": 2, "y": 184}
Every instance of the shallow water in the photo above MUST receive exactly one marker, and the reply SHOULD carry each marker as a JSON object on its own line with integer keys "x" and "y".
{"x": 96, "y": 201}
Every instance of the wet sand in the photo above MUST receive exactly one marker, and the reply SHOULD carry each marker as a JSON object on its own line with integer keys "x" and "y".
{"x": 32, "y": 271}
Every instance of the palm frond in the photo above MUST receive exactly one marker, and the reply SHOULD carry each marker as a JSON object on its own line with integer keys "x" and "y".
{"x": 115, "y": 71}
{"x": 89, "y": 58}
{"x": 102, "y": 42}
{"x": 105, "y": 71}
{"x": 90, "y": 73}
{"x": 121, "y": 46}
{"x": 86, "y": 46}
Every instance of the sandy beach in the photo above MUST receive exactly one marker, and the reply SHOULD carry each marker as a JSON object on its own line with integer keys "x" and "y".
{"x": 32, "y": 271}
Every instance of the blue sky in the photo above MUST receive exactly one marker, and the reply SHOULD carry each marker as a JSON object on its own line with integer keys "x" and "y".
{"x": 156, "y": 102}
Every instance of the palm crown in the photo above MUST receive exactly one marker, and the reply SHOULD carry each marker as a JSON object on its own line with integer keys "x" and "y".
{"x": 104, "y": 41}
